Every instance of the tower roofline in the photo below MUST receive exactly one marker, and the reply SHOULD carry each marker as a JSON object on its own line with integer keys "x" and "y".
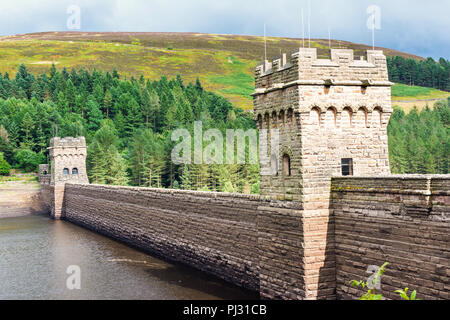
{"x": 304, "y": 68}
{"x": 57, "y": 142}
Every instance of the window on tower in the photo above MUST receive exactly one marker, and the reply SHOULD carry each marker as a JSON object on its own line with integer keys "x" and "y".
{"x": 286, "y": 165}
{"x": 347, "y": 167}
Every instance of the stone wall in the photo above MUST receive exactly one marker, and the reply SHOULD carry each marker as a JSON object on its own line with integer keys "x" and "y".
{"x": 239, "y": 238}
{"x": 277, "y": 247}
{"x": 403, "y": 220}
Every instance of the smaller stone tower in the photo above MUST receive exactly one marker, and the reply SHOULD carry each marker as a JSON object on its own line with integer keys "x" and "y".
{"x": 68, "y": 157}
{"x": 68, "y": 165}
{"x": 44, "y": 173}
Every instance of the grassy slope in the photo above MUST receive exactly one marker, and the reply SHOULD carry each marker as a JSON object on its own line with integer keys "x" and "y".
{"x": 224, "y": 63}
{"x": 409, "y": 97}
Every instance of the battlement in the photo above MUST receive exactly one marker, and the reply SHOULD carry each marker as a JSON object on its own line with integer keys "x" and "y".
{"x": 304, "y": 68}
{"x": 68, "y": 142}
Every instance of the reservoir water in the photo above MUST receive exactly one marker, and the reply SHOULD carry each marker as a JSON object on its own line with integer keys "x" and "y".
{"x": 35, "y": 253}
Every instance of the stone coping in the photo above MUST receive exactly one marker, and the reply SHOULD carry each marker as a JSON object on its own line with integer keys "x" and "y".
{"x": 203, "y": 194}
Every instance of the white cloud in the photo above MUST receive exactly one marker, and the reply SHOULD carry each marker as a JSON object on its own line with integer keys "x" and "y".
{"x": 419, "y": 27}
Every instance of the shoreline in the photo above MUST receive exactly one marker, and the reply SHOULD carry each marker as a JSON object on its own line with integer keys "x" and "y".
{"x": 20, "y": 198}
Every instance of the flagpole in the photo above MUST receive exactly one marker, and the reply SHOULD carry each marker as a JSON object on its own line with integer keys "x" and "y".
{"x": 309, "y": 22}
{"x": 329, "y": 37}
{"x": 303, "y": 29}
{"x": 373, "y": 36}
{"x": 265, "y": 44}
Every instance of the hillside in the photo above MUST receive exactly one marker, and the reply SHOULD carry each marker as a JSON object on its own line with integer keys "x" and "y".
{"x": 224, "y": 63}
{"x": 408, "y": 97}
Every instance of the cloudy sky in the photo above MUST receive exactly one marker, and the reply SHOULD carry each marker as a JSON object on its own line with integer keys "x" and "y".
{"x": 415, "y": 26}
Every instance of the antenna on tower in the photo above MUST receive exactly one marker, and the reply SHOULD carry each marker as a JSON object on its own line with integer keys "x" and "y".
{"x": 265, "y": 43}
{"x": 303, "y": 29}
{"x": 329, "y": 38}
{"x": 309, "y": 22}
{"x": 373, "y": 37}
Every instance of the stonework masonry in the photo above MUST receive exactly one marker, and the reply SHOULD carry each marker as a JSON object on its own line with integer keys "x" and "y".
{"x": 403, "y": 220}
{"x": 325, "y": 111}
{"x": 261, "y": 244}
{"x": 68, "y": 160}
{"x": 240, "y": 238}
{"x": 68, "y": 164}
{"x": 311, "y": 231}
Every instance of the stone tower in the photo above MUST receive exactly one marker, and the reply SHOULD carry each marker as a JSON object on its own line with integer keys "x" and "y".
{"x": 331, "y": 116}
{"x": 68, "y": 164}
{"x": 68, "y": 157}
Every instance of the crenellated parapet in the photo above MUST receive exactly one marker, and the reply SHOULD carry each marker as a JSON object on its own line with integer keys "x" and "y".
{"x": 301, "y": 83}
{"x": 304, "y": 68}
{"x": 68, "y": 142}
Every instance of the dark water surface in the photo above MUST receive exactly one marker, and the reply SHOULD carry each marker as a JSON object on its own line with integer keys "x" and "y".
{"x": 36, "y": 251}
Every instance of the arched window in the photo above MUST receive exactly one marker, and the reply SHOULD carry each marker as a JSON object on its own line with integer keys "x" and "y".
{"x": 286, "y": 165}
{"x": 65, "y": 171}
{"x": 267, "y": 121}
{"x": 274, "y": 164}
{"x": 314, "y": 117}
{"x": 281, "y": 117}
{"x": 274, "y": 119}
{"x": 361, "y": 117}
{"x": 330, "y": 118}
{"x": 75, "y": 171}
{"x": 44, "y": 172}
{"x": 260, "y": 122}
{"x": 290, "y": 116}
{"x": 377, "y": 117}
{"x": 347, "y": 115}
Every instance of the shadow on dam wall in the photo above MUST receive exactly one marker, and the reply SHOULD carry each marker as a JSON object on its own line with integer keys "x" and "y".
{"x": 20, "y": 198}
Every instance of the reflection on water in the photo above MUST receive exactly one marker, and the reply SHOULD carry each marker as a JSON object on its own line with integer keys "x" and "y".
{"x": 35, "y": 252}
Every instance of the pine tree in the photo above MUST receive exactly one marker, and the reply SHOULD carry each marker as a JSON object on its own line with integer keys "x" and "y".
{"x": 186, "y": 183}
{"x": 70, "y": 95}
{"x": 94, "y": 115}
{"x": 107, "y": 103}
{"x": 5, "y": 168}
{"x": 27, "y": 129}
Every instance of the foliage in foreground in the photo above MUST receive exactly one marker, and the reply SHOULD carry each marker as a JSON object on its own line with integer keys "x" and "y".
{"x": 375, "y": 280}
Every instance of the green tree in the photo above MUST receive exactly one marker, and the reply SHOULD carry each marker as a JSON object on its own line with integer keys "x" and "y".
{"x": 5, "y": 168}
{"x": 104, "y": 162}
{"x": 27, "y": 129}
{"x": 107, "y": 103}
{"x": 28, "y": 160}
